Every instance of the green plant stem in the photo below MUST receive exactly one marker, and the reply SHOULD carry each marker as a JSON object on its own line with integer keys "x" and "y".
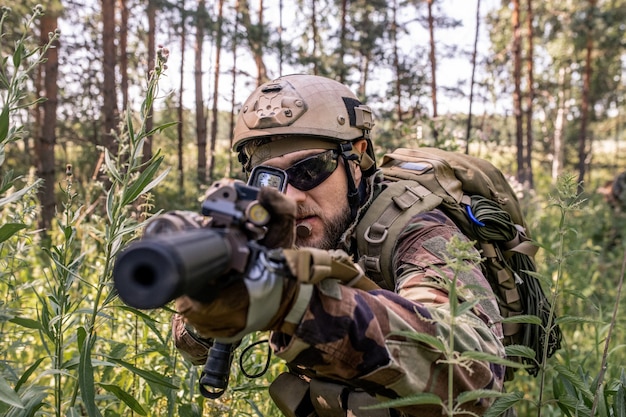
{"x": 555, "y": 297}
{"x": 605, "y": 354}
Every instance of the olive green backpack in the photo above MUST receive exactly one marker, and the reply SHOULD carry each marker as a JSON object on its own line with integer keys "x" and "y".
{"x": 481, "y": 202}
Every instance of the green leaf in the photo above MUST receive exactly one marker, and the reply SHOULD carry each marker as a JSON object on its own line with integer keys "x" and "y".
{"x": 619, "y": 405}
{"x": 27, "y": 323}
{"x": 574, "y": 379}
{"x": 482, "y": 356}
{"x": 574, "y": 320}
{"x": 4, "y": 124}
{"x": 417, "y": 399}
{"x": 129, "y": 125}
{"x": 427, "y": 339}
{"x": 477, "y": 394}
{"x": 111, "y": 168}
{"x": 85, "y": 378}
{"x": 523, "y": 318}
{"x": 28, "y": 373}
{"x": 504, "y": 403}
{"x": 17, "y": 55}
{"x": 150, "y": 376}
{"x": 132, "y": 403}
{"x": 16, "y": 196}
{"x": 8, "y": 395}
{"x": 160, "y": 128}
{"x": 520, "y": 351}
{"x": 9, "y": 229}
{"x": 144, "y": 183}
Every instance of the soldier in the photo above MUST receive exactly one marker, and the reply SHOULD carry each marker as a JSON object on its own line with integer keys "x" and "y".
{"x": 334, "y": 329}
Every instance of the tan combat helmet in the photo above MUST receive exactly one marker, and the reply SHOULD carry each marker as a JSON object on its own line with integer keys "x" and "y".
{"x": 313, "y": 108}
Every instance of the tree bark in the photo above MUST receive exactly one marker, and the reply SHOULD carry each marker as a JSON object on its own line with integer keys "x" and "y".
{"x": 46, "y": 142}
{"x": 342, "y": 71}
{"x": 201, "y": 128}
{"x": 396, "y": 60}
{"x": 216, "y": 88}
{"x": 586, "y": 98}
{"x": 530, "y": 97}
{"x": 109, "y": 90}
{"x": 559, "y": 126}
{"x": 181, "y": 89}
{"x": 233, "y": 98}
{"x": 471, "y": 96}
{"x": 315, "y": 35}
{"x": 517, "y": 93}
{"x": 124, "y": 15}
{"x": 433, "y": 60}
{"x": 151, "y": 12}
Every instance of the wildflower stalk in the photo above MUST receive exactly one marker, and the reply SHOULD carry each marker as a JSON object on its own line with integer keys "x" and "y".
{"x": 130, "y": 179}
{"x": 566, "y": 201}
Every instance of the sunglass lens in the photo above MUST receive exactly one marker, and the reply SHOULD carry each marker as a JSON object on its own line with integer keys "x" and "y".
{"x": 311, "y": 172}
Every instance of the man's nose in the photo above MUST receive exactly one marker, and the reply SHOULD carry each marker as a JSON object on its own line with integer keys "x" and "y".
{"x": 294, "y": 193}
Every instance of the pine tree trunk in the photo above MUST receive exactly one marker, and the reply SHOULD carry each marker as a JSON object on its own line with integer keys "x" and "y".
{"x": 123, "y": 58}
{"x": 342, "y": 71}
{"x": 109, "y": 90}
{"x": 151, "y": 12}
{"x": 433, "y": 60}
{"x": 396, "y": 60}
{"x": 517, "y": 93}
{"x": 530, "y": 97}
{"x": 216, "y": 88}
{"x": 181, "y": 89}
{"x": 471, "y": 96}
{"x": 559, "y": 126}
{"x": 233, "y": 98}
{"x": 586, "y": 99}
{"x": 47, "y": 139}
{"x": 201, "y": 128}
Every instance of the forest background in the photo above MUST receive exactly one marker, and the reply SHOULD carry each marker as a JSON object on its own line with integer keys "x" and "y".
{"x": 96, "y": 139}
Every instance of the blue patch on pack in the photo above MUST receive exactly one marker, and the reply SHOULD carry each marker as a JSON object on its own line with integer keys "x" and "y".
{"x": 415, "y": 166}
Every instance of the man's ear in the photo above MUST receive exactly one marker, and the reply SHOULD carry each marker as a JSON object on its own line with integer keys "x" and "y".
{"x": 360, "y": 146}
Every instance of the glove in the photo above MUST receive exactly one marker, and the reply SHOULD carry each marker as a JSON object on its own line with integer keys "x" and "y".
{"x": 281, "y": 229}
{"x": 260, "y": 299}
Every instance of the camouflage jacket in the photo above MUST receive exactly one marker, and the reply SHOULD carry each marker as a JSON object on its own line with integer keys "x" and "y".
{"x": 349, "y": 335}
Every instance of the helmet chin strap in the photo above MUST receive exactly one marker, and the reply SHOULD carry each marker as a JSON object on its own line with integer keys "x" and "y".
{"x": 345, "y": 150}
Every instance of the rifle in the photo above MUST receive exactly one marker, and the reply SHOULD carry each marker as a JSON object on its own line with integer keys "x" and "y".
{"x": 199, "y": 262}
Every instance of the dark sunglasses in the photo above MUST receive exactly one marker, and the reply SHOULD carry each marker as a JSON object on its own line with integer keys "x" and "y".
{"x": 310, "y": 172}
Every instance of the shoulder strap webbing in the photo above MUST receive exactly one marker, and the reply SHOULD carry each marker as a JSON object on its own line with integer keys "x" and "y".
{"x": 379, "y": 228}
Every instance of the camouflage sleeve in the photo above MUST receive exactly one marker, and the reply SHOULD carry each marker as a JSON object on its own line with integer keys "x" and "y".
{"x": 345, "y": 333}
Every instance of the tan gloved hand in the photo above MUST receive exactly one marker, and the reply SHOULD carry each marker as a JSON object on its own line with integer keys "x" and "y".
{"x": 281, "y": 229}
{"x": 257, "y": 301}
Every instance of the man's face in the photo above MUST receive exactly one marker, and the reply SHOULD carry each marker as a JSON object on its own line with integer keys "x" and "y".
{"x": 323, "y": 209}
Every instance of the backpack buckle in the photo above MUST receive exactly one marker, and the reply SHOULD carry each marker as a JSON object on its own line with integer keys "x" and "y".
{"x": 382, "y": 232}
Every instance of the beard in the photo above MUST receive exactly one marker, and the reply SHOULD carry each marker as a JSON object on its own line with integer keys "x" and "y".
{"x": 334, "y": 228}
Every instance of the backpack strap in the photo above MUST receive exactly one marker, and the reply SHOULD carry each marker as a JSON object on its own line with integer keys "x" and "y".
{"x": 383, "y": 221}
